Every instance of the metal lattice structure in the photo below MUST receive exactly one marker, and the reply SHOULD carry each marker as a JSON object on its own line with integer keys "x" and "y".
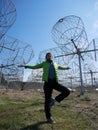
{"x": 13, "y": 53}
{"x": 70, "y": 35}
{"x": 68, "y": 29}
{"x": 7, "y": 16}
{"x": 73, "y": 50}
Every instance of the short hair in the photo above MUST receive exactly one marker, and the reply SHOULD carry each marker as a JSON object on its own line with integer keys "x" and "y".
{"x": 49, "y": 53}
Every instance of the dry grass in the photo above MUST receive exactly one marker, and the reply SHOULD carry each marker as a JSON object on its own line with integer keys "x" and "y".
{"x": 24, "y": 110}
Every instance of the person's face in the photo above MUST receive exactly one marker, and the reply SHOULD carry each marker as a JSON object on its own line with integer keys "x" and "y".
{"x": 49, "y": 57}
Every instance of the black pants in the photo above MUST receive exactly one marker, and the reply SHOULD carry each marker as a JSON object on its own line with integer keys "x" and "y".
{"x": 48, "y": 89}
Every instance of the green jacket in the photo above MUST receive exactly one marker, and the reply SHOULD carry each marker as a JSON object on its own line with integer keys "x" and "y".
{"x": 45, "y": 65}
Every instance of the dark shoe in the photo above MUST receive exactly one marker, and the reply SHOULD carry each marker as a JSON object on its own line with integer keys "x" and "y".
{"x": 52, "y": 103}
{"x": 50, "y": 120}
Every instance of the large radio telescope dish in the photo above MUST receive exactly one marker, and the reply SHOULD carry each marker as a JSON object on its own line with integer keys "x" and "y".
{"x": 7, "y": 15}
{"x": 67, "y": 29}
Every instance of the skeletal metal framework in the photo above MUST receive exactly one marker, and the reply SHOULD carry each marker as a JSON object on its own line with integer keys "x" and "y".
{"x": 70, "y": 77}
{"x": 75, "y": 54}
{"x": 64, "y": 76}
{"x": 7, "y": 16}
{"x": 13, "y": 53}
{"x": 90, "y": 63}
{"x": 55, "y": 51}
{"x": 68, "y": 29}
{"x": 73, "y": 50}
{"x": 70, "y": 35}
{"x": 70, "y": 32}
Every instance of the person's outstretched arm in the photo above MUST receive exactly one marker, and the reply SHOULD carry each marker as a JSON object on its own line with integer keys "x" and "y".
{"x": 63, "y": 67}
{"x": 38, "y": 66}
{"x": 21, "y": 65}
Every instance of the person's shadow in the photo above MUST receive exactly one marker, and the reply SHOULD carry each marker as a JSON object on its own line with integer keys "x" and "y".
{"x": 34, "y": 126}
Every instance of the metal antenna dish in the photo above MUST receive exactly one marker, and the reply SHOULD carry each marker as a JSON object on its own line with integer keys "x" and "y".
{"x": 70, "y": 32}
{"x": 68, "y": 29}
{"x": 13, "y": 53}
{"x": 7, "y": 15}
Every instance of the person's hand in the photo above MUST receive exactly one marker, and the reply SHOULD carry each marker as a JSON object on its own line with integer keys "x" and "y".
{"x": 21, "y": 65}
{"x": 68, "y": 68}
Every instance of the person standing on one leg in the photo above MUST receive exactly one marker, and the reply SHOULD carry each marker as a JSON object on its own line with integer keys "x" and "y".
{"x": 50, "y": 78}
